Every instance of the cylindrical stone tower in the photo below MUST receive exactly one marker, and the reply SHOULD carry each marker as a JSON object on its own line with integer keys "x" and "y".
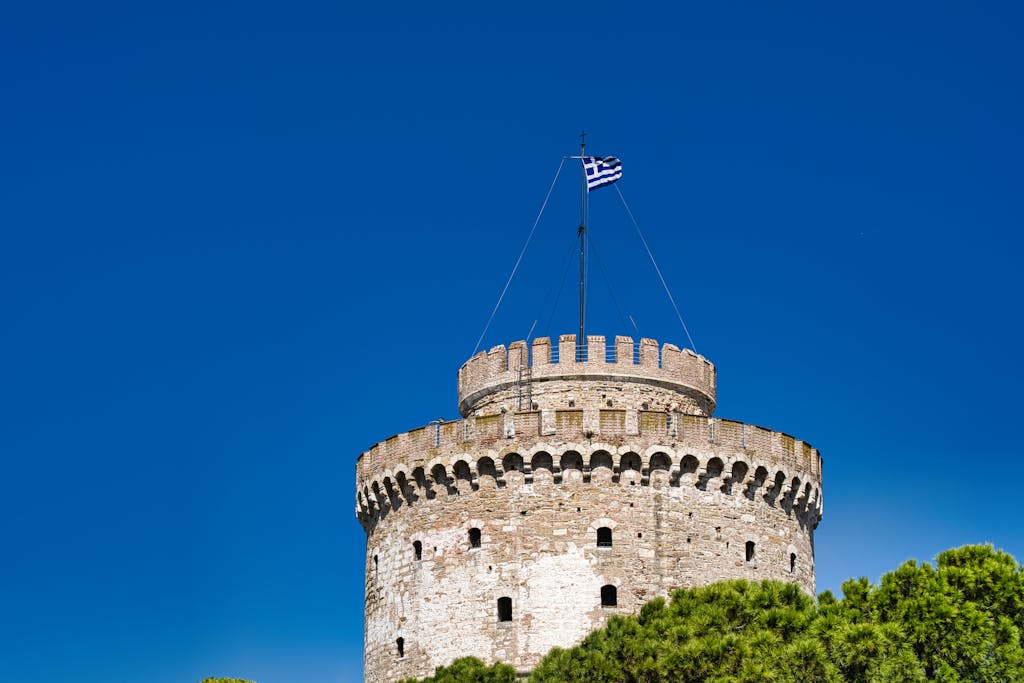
{"x": 571, "y": 490}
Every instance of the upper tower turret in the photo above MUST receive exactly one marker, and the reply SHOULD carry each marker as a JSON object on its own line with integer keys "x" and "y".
{"x": 621, "y": 375}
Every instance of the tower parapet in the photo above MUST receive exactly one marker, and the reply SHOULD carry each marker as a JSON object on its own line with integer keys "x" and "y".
{"x": 543, "y": 376}
{"x": 388, "y": 475}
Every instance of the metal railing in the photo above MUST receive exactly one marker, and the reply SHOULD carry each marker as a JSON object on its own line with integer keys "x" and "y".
{"x": 582, "y": 352}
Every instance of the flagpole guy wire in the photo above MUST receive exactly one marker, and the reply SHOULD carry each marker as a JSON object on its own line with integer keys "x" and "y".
{"x": 520, "y": 259}
{"x": 656, "y": 269}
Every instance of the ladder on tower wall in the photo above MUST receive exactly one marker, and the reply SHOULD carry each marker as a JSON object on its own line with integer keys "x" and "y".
{"x": 524, "y": 384}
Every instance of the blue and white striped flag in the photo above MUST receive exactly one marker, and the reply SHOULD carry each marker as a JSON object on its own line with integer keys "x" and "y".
{"x": 601, "y": 171}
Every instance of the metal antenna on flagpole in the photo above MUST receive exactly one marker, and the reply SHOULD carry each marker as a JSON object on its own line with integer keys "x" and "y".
{"x": 581, "y": 340}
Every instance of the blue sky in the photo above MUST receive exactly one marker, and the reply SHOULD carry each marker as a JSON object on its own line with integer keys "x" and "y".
{"x": 242, "y": 242}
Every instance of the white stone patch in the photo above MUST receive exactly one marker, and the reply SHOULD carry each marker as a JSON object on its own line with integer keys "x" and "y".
{"x": 551, "y": 582}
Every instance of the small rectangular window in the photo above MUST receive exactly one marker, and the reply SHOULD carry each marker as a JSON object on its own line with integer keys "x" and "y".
{"x": 505, "y": 609}
{"x": 609, "y": 596}
{"x": 750, "y": 551}
{"x": 474, "y": 538}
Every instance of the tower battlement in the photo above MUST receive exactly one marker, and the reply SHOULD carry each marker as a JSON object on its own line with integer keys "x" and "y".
{"x": 457, "y": 456}
{"x": 540, "y": 375}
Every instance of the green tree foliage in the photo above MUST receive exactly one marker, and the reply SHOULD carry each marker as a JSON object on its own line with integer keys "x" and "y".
{"x": 959, "y": 621}
{"x": 470, "y": 670}
{"x": 734, "y": 631}
{"x": 224, "y": 680}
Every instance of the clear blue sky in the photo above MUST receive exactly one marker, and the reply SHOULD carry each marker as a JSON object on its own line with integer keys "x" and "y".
{"x": 242, "y": 242}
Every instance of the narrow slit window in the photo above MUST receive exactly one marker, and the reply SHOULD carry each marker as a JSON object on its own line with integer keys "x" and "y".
{"x": 474, "y": 538}
{"x": 792, "y": 563}
{"x": 417, "y": 549}
{"x": 604, "y": 537}
{"x": 401, "y": 646}
{"x": 505, "y": 609}
{"x": 609, "y": 596}
{"x": 750, "y": 551}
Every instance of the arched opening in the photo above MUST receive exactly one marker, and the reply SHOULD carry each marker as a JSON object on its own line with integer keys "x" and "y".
{"x": 660, "y": 461}
{"x": 488, "y": 474}
{"x": 417, "y": 549}
{"x": 512, "y": 470}
{"x": 688, "y": 467}
{"x": 792, "y": 563}
{"x": 601, "y": 466}
{"x": 540, "y": 468}
{"x": 571, "y": 465}
{"x": 463, "y": 476}
{"x": 629, "y": 468}
{"x": 712, "y": 471}
{"x": 804, "y": 498}
{"x": 401, "y": 646}
{"x": 505, "y": 609}
{"x": 659, "y": 469}
{"x": 440, "y": 476}
{"x": 513, "y": 462}
{"x": 405, "y": 488}
{"x": 609, "y": 596}
{"x": 760, "y": 476}
{"x": 778, "y": 483}
{"x": 541, "y": 461}
{"x": 604, "y": 537}
{"x": 738, "y": 474}
{"x": 474, "y": 538}
{"x": 420, "y": 477}
{"x": 391, "y": 490}
{"x": 792, "y": 491}
{"x": 750, "y": 551}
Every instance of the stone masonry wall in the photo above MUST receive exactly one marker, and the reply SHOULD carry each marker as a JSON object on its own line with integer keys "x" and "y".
{"x": 549, "y": 377}
{"x": 572, "y": 491}
{"x": 681, "y": 511}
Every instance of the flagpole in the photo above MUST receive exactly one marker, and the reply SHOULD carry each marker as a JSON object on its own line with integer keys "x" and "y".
{"x": 581, "y": 340}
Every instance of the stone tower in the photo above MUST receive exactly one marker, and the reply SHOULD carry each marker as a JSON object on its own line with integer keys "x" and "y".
{"x": 570, "y": 491}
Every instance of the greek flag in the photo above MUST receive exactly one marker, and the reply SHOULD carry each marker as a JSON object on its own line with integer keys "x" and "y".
{"x": 601, "y": 171}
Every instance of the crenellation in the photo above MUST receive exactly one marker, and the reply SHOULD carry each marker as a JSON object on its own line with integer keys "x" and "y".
{"x": 518, "y": 356}
{"x": 649, "y": 354}
{"x": 478, "y": 368}
{"x": 507, "y": 503}
{"x": 497, "y": 360}
{"x": 623, "y": 350}
{"x": 683, "y": 380}
{"x": 567, "y": 349}
{"x": 541, "y": 351}
{"x": 672, "y": 360}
